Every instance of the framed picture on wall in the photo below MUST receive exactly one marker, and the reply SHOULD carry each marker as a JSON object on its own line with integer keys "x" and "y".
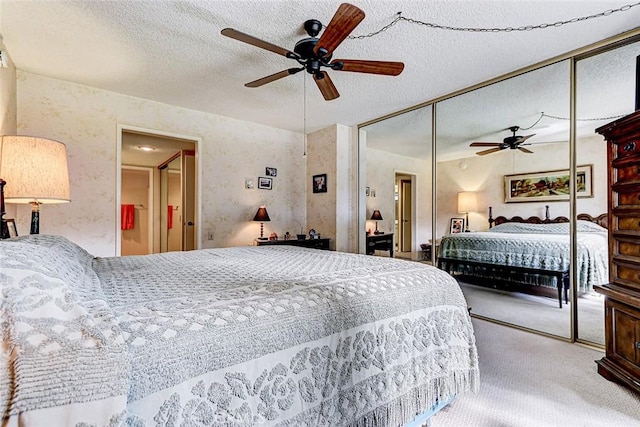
{"x": 320, "y": 183}
{"x": 13, "y": 230}
{"x": 547, "y": 186}
{"x": 456, "y": 226}
{"x": 265, "y": 183}
{"x": 271, "y": 171}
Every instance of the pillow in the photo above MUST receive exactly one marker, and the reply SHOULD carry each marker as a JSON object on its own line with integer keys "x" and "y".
{"x": 589, "y": 227}
{"x": 59, "y": 258}
{"x": 582, "y": 226}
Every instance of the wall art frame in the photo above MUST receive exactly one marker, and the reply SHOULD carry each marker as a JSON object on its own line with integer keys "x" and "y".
{"x": 547, "y": 186}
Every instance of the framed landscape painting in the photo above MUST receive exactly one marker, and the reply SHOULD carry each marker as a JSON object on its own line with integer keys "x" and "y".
{"x": 547, "y": 186}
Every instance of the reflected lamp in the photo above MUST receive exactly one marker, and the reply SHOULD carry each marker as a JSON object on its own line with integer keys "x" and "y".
{"x": 467, "y": 202}
{"x": 376, "y": 216}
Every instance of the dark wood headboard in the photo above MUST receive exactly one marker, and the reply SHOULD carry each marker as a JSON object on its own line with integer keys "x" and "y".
{"x": 601, "y": 220}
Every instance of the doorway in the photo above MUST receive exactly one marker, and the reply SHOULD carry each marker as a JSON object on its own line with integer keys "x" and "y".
{"x": 173, "y": 207}
{"x": 404, "y": 190}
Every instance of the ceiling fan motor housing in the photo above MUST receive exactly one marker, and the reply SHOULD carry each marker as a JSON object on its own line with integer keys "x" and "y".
{"x": 308, "y": 58}
{"x": 312, "y": 27}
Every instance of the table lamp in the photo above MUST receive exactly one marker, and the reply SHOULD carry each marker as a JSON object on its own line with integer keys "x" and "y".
{"x": 467, "y": 202}
{"x": 376, "y": 216}
{"x": 35, "y": 171}
{"x": 263, "y": 216}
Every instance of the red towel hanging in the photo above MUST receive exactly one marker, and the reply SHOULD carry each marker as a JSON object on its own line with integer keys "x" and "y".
{"x": 170, "y": 216}
{"x": 127, "y": 215}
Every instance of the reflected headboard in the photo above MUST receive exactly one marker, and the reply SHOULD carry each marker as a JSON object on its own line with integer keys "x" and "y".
{"x": 601, "y": 220}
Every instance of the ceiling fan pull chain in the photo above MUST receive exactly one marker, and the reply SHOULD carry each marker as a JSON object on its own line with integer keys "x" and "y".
{"x": 543, "y": 26}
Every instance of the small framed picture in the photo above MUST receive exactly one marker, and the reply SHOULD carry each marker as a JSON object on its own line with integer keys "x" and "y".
{"x": 271, "y": 171}
{"x": 13, "y": 230}
{"x": 320, "y": 183}
{"x": 456, "y": 225}
{"x": 265, "y": 183}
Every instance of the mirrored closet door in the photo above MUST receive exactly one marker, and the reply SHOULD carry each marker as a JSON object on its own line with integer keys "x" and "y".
{"x": 499, "y": 156}
{"x": 397, "y": 157}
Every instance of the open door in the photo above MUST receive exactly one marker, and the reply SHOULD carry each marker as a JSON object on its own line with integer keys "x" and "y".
{"x": 172, "y": 160}
{"x": 404, "y": 212}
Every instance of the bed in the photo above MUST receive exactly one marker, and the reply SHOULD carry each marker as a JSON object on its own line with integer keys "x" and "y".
{"x": 269, "y": 336}
{"x": 533, "y": 252}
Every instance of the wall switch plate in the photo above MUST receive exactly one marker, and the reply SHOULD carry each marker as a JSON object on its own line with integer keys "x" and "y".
{"x": 248, "y": 183}
{"x": 210, "y": 235}
{"x": 3, "y": 59}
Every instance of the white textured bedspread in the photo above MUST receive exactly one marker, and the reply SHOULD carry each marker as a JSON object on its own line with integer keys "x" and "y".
{"x": 279, "y": 335}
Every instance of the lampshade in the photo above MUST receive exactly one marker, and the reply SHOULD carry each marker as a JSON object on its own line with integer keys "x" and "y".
{"x": 376, "y": 215}
{"x": 262, "y": 215}
{"x": 467, "y": 202}
{"x": 35, "y": 170}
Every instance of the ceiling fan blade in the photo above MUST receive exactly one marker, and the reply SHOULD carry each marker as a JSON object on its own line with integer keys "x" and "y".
{"x": 485, "y": 144}
{"x": 326, "y": 86}
{"x": 273, "y": 77}
{"x": 346, "y": 18}
{"x": 524, "y": 138}
{"x": 246, "y": 38}
{"x": 491, "y": 150}
{"x": 387, "y": 68}
{"x": 525, "y": 150}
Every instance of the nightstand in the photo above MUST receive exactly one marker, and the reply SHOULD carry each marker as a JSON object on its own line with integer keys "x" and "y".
{"x": 323, "y": 243}
{"x": 380, "y": 242}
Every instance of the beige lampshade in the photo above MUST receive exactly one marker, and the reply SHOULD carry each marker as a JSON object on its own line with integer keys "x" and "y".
{"x": 35, "y": 170}
{"x": 467, "y": 202}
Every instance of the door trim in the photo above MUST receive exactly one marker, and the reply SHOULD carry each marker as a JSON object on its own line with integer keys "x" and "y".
{"x": 155, "y": 132}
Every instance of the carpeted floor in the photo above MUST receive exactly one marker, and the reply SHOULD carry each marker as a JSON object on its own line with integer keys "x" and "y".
{"x": 538, "y": 312}
{"x": 528, "y": 380}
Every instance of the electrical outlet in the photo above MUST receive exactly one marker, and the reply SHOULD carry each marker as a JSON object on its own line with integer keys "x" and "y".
{"x": 210, "y": 235}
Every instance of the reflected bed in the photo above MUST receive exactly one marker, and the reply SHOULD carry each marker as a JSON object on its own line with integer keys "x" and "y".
{"x": 532, "y": 252}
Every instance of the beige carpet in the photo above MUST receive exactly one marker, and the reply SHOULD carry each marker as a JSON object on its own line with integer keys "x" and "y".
{"x": 528, "y": 380}
{"x": 538, "y": 312}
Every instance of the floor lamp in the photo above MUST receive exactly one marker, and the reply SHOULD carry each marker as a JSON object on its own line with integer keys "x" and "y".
{"x": 35, "y": 171}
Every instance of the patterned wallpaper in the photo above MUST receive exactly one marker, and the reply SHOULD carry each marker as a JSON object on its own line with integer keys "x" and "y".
{"x": 86, "y": 120}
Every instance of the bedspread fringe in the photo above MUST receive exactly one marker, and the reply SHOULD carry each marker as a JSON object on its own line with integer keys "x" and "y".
{"x": 404, "y": 409}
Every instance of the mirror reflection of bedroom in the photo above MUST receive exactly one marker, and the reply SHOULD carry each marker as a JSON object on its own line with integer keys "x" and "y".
{"x": 543, "y": 291}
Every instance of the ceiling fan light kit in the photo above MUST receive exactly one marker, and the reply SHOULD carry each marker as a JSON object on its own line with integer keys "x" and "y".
{"x": 315, "y": 53}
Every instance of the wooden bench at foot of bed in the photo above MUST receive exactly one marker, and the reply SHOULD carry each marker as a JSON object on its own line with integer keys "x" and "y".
{"x": 504, "y": 273}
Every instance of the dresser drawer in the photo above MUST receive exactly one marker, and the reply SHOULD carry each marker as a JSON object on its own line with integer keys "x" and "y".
{"x": 628, "y": 174}
{"x": 631, "y": 198}
{"x": 629, "y": 223}
{"x": 629, "y": 249}
{"x": 629, "y": 274}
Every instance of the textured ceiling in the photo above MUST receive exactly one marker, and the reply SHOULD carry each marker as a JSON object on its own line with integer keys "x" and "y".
{"x": 173, "y": 52}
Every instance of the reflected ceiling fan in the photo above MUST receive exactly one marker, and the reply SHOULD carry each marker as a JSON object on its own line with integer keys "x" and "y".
{"x": 314, "y": 53}
{"x": 514, "y": 142}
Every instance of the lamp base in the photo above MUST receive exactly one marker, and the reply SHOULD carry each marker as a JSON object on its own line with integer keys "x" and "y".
{"x": 35, "y": 218}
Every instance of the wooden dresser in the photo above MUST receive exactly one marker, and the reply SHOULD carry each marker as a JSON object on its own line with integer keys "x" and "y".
{"x": 622, "y": 294}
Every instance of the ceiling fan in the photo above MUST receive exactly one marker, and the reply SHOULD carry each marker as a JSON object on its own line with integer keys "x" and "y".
{"x": 512, "y": 142}
{"x": 314, "y": 53}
